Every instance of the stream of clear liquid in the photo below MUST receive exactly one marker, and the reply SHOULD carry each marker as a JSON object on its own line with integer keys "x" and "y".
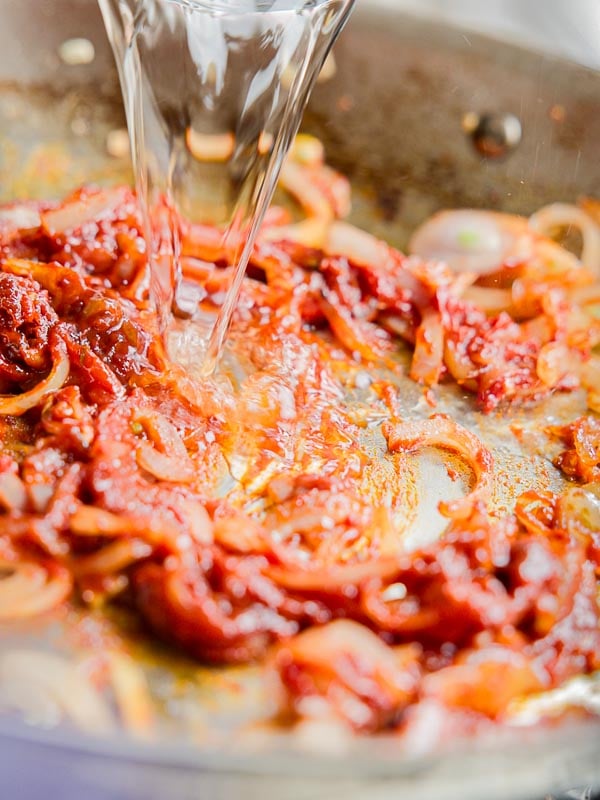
{"x": 195, "y": 75}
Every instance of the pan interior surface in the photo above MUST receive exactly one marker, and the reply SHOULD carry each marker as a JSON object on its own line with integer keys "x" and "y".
{"x": 399, "y": 135}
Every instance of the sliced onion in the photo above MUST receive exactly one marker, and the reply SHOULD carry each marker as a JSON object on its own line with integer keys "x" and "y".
{"x": 195, "y": 269}
{"x": 74, "y": 214}
{"x": 332, "y": 577}
{"x": 563, "y": 215}
{"x": 428, "y": 357}
{"x": 357, "y": 335}
{"x": 344, "y": 669}
{"x": 296, "y": 180}
{"x": 337, "y": 187}
{"x": 205, "y": 242}
{"x": 324, "y": 645}
{"x": 18, "y": 404}
{"x": 30, "y": 589}
{"x": 16, "y": 220}
{"x": 40, "y": 495}
{"x": 586, "y": 295}
{"x": 13, "y": 494}
{"x": 169, "y": 460}
{"x": 164, "y": 467}
{"x": 92, "y": 521}
{"x": 441, "y": 432}
{"x": 469, "y": 240}
{"x": 490, "y": 300}
{"x": 241, "y": 534}
{"x": 200, "y": 525}
{"x": 484, "y": 681}
{"x": 579, "y": 509}
{"x": 535, "y": 511}
{"x": 276, "y": 216}
{"x": 554, "y": 362}
{"x": 311, "y": 232}
{"x": 356, "y": 245}
{"x": 112, "y": 558}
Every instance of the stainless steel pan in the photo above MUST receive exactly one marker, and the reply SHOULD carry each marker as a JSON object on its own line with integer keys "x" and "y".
{"x": 393, "y": 118}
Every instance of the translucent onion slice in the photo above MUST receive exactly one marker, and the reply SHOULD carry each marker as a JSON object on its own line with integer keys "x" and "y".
{"x": 357, "y": 335}
{"x": 332, "y": 577}
{"x": 344, "y": 670}
{"x": 490, "y": 300}
{"x": 320, "y": 191}
{"x": 92, "y": 521}
{"x": 327, "y": 646}
{"x": 296, "y": 180}
{"x": 165, "y": 457}
{"x": 471, "y": 241}
{"x": 441, "y": 432}
{"x": 579, "y": 509}
{"x": 13, "y": 494}
{"x": 204, "y": 242}
{"x": 113, "y": 558}
{"x": 428, "y": 357}
{"x": 74, "y": 214}
{"x": 563, "y": 215}
{"x": 241, "y": 534}
{"x": 356, "y": 245}
{"x": 554, "y": 362}
{"x": 16, "y": 220}
{"x": 164, "y": 467}
{"x": 18, "y": 404}
{"x": 29, "y": 589}
{"x": 311, "y": 232}
{"x": 200, "y": 525}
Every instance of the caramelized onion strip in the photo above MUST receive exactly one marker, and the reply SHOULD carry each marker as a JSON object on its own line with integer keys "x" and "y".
{"x": 92, "y": 521}
{"x": 166, "y": 457}
{"x": 13, "y": 494}
{"x": 18, "y": 404}
{"x": 356, "y": 245}
{"x": 113, "y": 558}
{"x": 428, "y": 357}
{"x": 332, "y": 577}
{"x": 564, "y": 215}
{"x": 489, "y": 299}
{"x": 30, "y": 589}
{"x": 74, "y": 214}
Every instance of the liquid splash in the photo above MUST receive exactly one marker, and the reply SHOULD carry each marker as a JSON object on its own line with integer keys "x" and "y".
{"x": 214, "y": 93}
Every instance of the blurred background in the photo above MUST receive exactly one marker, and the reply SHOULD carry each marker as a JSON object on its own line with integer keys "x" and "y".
{"x": 566, "y": 27}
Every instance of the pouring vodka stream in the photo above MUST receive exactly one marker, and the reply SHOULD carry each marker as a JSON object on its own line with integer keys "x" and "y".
{"x": 214, "y": 92}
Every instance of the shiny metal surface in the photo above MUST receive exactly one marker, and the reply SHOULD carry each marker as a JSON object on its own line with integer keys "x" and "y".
{"x": 392, "y": 119}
